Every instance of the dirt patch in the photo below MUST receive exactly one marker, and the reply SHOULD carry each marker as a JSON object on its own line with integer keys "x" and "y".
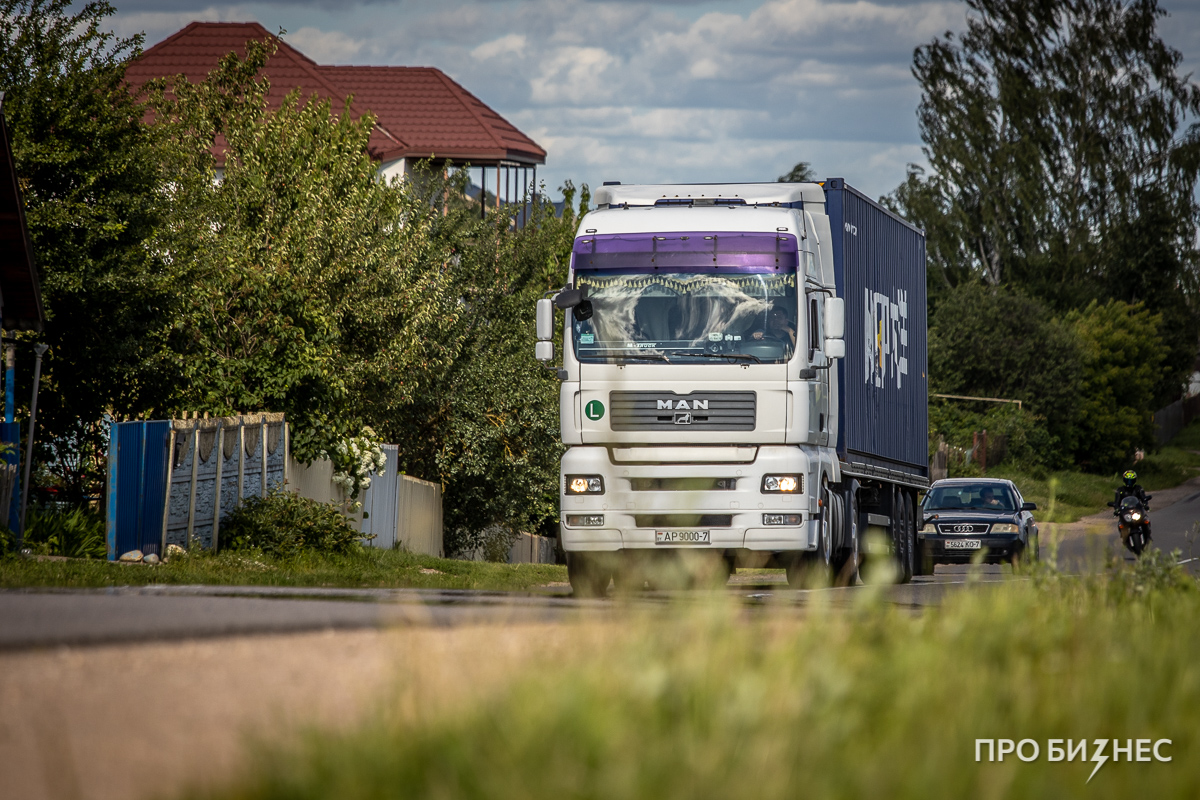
{"x": 148, "y": 720}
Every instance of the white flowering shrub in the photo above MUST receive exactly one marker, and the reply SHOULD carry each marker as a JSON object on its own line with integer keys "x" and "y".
{"x": 354, "y": 460}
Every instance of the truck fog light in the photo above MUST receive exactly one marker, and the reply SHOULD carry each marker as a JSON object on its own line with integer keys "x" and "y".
{"x": 585, "y": 521}
{"x": 781, "y": 519}
{"x": 785, "y": 484}
{"x": 585, "y": 484}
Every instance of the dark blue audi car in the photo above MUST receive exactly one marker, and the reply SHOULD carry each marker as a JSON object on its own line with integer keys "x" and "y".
{"x": 963, "y": 516}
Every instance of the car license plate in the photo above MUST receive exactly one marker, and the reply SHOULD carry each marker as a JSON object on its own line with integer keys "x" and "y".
{"x": 681, "y": 537}
{"x": 963, "y": 544}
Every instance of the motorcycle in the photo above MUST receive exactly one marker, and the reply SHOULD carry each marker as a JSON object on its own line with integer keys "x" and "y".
{"x": 1133, "y": 523}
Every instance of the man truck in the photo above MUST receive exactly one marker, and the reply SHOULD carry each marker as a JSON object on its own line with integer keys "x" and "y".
{"x": 742, "y": 384}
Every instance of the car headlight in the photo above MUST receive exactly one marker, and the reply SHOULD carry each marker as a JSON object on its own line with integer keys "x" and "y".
{"x": 927, "y": 529}
{"x": 1005, "y": 527}
{"x": 785, "y": 484}
{"x": 585, "y": 521}
{"x": 585, "y": 484}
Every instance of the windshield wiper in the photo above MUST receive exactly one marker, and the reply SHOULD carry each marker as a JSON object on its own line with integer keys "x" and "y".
{"x": 645, "y": 357}
{"x": 734, "y": 356}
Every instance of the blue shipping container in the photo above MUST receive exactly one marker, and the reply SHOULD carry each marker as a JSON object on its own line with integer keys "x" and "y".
{"x": 879, "y": 261}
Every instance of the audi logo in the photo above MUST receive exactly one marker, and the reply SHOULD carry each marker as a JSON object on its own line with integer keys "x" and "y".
{"x": 964, "y": 528}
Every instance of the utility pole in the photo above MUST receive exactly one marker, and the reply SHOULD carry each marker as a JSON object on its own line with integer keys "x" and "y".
{"x": 39, "y": 350}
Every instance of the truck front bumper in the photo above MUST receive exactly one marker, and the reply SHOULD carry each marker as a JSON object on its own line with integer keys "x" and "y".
{"x": 733, "y": 518}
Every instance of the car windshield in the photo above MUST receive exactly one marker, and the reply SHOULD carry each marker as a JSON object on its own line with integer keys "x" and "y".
{"x": 688, "y": 298}
{"x": 975, "y": 496}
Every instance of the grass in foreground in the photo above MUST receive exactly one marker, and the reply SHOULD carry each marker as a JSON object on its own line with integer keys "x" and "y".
{"x": 875, "y": 702}
{"x": 367, "y": 568}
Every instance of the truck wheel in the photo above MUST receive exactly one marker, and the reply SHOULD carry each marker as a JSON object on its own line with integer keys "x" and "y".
{"x": 846, "y": 559}
{"x": 588, "y": 573}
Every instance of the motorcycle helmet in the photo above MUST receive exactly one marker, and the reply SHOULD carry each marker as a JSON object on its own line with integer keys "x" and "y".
{"x": 1130, "y": 477}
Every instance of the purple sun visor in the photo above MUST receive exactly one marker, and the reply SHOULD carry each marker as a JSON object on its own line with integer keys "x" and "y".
{"x": 702, "y": 249}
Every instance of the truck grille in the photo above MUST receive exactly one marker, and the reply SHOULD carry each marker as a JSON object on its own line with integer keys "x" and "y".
{"x": 662, "y": 411}
{"x": 683, "y": 520}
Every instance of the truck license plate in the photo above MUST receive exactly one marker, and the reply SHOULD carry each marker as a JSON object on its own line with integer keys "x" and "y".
{"x": 963, "y": 544}
{"x": 681, "y": 537}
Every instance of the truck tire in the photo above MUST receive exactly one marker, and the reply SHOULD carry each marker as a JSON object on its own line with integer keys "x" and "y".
{"x": 847, "y": 559}
{"x": 588, "y": 573}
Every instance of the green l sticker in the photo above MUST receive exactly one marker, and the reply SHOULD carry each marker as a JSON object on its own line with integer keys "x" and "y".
{"x": 594, "y": 410}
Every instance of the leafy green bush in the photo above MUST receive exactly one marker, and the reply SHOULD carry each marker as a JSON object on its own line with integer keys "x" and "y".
{"x": 78, "y": 533}
{"x": 285, "y": 525}
{"x": 990, "y": 342}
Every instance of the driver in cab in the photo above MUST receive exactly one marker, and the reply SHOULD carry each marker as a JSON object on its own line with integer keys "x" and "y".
{"x": 778, "y": 327}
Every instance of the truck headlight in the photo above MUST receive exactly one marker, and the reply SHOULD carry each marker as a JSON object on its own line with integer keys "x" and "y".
{"x": 783, "y": 484}
{"x": 585, "y": 484}
{"x": 585, "y": 521}
{"x": 782, "y": 519}
{"x": 1005, "y": 527}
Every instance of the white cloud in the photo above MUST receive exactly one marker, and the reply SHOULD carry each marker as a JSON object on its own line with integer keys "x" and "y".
{"x": 657, "y": 91}
{"x": 512, "y": 44}
{"x": 326, "y": 47}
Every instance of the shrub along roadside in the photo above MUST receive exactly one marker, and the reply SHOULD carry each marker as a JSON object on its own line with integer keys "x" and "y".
{"x": 706, "y": 703}
{"x": 285, "y": 525}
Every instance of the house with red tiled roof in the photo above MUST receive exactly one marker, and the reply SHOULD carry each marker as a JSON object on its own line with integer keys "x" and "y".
{"x": 421, "y": 113}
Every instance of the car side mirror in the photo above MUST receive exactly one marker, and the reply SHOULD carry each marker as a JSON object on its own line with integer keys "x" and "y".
{"x": 1027, "y": 506}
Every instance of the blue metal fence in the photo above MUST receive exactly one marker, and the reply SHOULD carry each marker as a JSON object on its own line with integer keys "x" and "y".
{"x": 137, "y": 485}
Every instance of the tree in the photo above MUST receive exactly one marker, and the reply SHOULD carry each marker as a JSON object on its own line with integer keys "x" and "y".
{"x": 88, "y": 171}
{"x": 1122, "y": 358}
{"x": 313, "y": 287}
{"x": 801, "y": 173}
{"x": 1061, "y": 164}
{"x": 988, "y": 341}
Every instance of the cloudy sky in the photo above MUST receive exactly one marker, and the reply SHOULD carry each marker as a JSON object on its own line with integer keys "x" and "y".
{"x": 653, "y": 92}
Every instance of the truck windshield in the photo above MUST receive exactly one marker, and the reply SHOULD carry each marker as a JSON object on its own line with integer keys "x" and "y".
{"x": 693, "y": 298}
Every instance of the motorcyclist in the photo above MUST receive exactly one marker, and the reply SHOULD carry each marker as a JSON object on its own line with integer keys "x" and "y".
{"x": 1131, "y": 488}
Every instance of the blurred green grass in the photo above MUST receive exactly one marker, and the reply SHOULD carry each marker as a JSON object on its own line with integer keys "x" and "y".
{"x": 872, "y": 702}
{"x": 368, "y": 568}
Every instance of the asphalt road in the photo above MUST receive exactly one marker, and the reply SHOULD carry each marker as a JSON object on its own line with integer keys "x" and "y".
{"x": 46, "y": 618}
{"x": 1173, "y": 527}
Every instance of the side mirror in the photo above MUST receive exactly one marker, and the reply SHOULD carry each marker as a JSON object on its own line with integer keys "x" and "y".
{"x": 1027, "y": 506}
{"x": 1112, "y": 504}
{"x": 583, "y": 311}
{"x": 1149, "y": 497}
{"x": 835, "y": 348}
{"x": 544, "y": 351}
{"x": 835, "y": 320}
{"x": 545, "y": 319}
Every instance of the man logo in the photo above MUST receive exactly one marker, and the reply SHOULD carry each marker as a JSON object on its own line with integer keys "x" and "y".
{"x": 682, "y": 405}
{"x": 683, "y": 419}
